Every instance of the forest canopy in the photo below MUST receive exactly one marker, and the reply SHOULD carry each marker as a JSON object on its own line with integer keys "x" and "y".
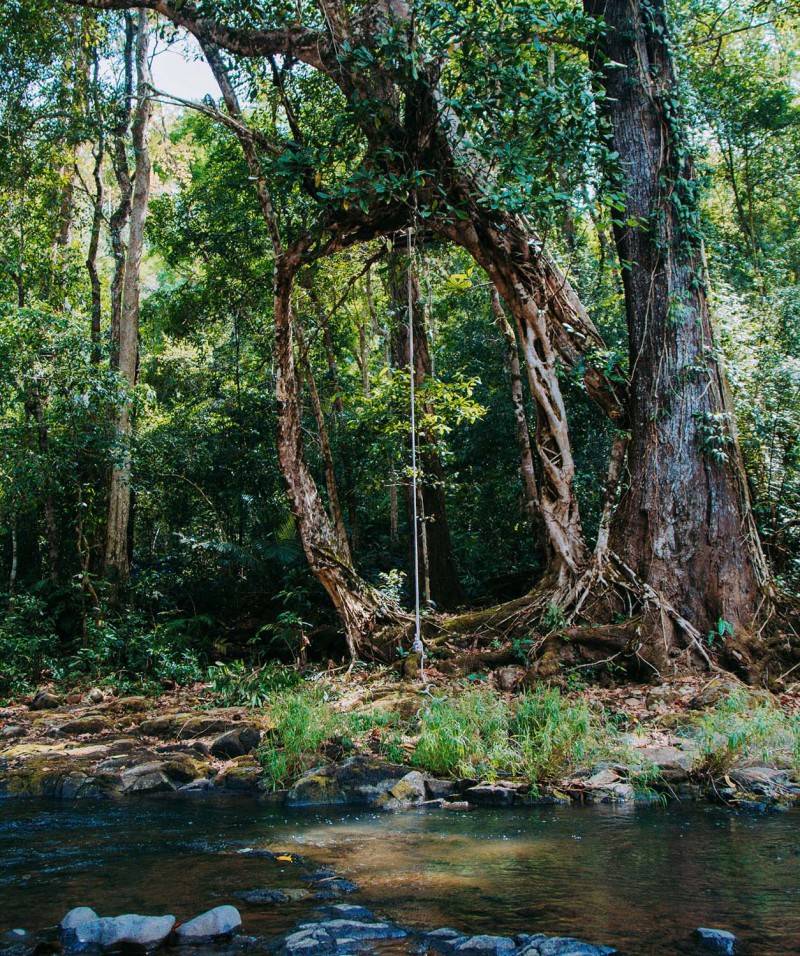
{"x": 569, "y": 229}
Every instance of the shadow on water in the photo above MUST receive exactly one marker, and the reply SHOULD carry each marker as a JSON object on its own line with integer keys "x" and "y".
{"x": 641, "y": 879}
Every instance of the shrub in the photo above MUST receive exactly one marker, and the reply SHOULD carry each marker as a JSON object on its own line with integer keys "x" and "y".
{"x": 304, "y": 721}
{"x": 552, "y": 735}
{"x": 741, "y": 727}
{"x": 236, "y": 684}
{"x": 465, "y": 736}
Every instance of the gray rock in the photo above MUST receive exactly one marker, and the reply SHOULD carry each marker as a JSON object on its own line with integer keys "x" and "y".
{"x": 716, "y": 940}
{"x": 483, "y": 944}
{"x": 12, "y": 731}
{"x": 84, "y": 725}
{"x": 441, "y": 789}
{"x": 312, "y": 940}
{"x": 213, "y": 924}
{"x": 407, "y": 792}
{"x": 76, "y": 916}
{"x": 359, "y": 780}
{"x": 236, "y": 743}
{"x": 347, "y": 911}
{"x": 14, "y": 936}
{"x": 331, "y": 887}
{"x": 201, "y": 785}
{"x": 491, "y": 795}
{"x": 95, "y": 696}
{"x": 540, "y": 945}
{"x": 146, "y": 778}
{"x": 109, "y": 932}
{"x": 45, "y": 700}
{"x": 286, "y": 895}
{"x": 340, "y": 929}
{"x": 673, "y": 764}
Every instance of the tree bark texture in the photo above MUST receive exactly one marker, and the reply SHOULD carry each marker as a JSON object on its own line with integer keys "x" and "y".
{"x": 117, "y": 559}
{"x": 684, "y": 524}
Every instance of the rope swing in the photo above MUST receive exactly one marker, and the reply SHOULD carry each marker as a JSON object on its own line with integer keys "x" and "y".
{"x": 417, "y": 646}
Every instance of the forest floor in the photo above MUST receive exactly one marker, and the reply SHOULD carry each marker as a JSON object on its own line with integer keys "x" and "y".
{"x": 368, "y": 738}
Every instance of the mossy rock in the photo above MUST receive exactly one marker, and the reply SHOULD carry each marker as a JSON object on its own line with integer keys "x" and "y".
{"x": 359, "y": 780}
{"x": 91, "y": 724}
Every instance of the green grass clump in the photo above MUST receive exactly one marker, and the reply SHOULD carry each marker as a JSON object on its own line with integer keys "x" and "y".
{"x": 304, "y": 721}
{"x": 539, "y": 737}
{"x": 741, "y": 727}
{"x": 465, "y": 736}
{"x": 552, "y": 735}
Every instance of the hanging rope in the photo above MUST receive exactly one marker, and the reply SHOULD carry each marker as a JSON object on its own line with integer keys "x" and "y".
{"x": 417, "y": 647}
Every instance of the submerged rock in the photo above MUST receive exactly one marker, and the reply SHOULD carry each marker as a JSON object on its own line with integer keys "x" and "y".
{"x": 716, "y": 940}
{"x": 214, "y": 924}
{"x": 285, "y": 895}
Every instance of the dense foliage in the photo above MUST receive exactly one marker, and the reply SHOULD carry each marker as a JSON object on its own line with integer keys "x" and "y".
{"x": 218, "y": 571}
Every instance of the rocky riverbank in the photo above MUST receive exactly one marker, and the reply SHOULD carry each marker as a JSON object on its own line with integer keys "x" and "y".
{"x": 97, "y": 745}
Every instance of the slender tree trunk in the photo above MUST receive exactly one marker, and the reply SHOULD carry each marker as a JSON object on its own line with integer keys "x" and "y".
{"x": 436, "y": 559}
{"x": 94, "y": 239}
{"x": 117, "y": 560}
{"x": 331, "y": 484}
{"x": 36, "y": 407}
{"x": 121, "y": 214}
{"x": 684, "y": 524}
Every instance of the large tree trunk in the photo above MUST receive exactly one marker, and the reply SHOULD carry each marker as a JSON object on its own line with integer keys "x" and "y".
{"x": 117, "y": 559}
{"x": 684, "y": 524}
{"x": 435, "y": 548}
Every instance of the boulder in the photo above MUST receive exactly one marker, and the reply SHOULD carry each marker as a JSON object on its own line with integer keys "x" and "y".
{"x": 45, "y": 699}
{"x": 213, "y": 924}
{"x": 441, "y": 789}
{"x": 484, "y": 945}
{"x": 408, "y": 791}
{"x": 185, "y": 726}
{"x": 242, "y": 777}
{"x": 201, "y": 785}
{"x": 236, "y": 743}
{"x": 146, "y": 778}
{"x": 95, "y": 696}
{"x": 350, "y": 929}
{"x": 541, "y": 945}
{"x": 286, "y": 895}
{"x": 12, "y": 731}
{"x": 84, "y": 725}
{"x": 491, "y": 795}
{"x": 111, "y": 932}
{"x": 76, "y": 916}
{"x": 347, "y": 911}
{"x": 509, "y": 678}
{"x": 673, "y": 764}
{"x": 359, "y": 780}
{"x": 716, "y": 940}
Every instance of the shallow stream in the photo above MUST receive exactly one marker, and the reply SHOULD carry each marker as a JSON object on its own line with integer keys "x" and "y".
{"x": 640, "y": 879}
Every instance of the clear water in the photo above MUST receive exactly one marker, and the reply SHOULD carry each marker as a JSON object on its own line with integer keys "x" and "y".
{"x": 641, "y": 878}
